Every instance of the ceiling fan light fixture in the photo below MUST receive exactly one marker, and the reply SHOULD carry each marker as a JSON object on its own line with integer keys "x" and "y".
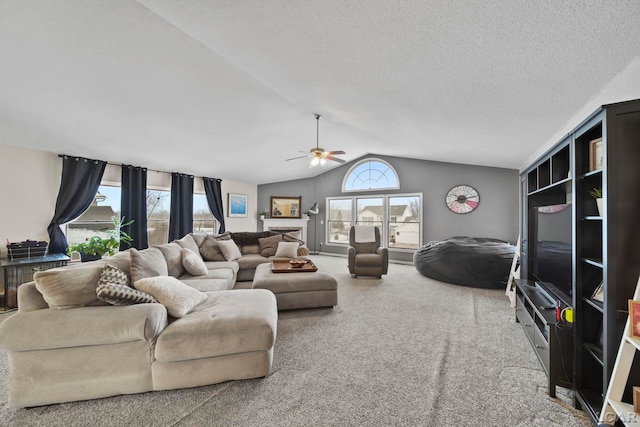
{"x": 322, "y": 161}
{"x": 315, "y": 161}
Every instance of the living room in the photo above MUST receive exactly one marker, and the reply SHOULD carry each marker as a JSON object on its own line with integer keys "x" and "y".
{"x": 228, "y": 91}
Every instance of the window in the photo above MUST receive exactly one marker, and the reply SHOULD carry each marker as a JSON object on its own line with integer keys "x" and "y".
{"x": 339, "y": 220}
{"x": 97, "y": 219}
{"x": 158, "y": 208}
{"x": 369, "y": 211}
{"x": 404, "y": 222}
{"x": 370, "y": 174}
{"x": 399, "y": 218}
{"x": 203, "y": 219}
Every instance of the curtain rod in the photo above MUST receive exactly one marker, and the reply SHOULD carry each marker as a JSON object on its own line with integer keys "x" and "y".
{"x": 147, "y": 169}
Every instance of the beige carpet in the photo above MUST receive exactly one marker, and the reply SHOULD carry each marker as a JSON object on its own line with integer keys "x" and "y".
{"x": 404, "y": 351}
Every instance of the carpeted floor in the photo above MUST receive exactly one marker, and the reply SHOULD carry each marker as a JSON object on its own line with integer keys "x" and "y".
{"x": 405, "y": 351}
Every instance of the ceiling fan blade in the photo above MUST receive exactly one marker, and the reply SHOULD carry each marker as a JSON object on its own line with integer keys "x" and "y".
{"x": 296, "y": 158}
{"x": 335, "y": 159}
{"x": 335, "y": 152}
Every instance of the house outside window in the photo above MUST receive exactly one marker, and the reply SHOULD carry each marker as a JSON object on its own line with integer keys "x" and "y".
{"x": 97, "y": 219}
{"x": 399, "y": 218}
{"x": 339, "y": 220}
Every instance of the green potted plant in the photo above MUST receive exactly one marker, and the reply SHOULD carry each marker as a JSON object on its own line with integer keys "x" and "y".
{"x": 596, "y": 193}
{"x": 96, "y": 247}
{"x": 263, "y": 214}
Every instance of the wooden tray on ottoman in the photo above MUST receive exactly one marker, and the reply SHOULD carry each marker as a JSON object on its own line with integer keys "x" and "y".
{"x": 284, "y": 266}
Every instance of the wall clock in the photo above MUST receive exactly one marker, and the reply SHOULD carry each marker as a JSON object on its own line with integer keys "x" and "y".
{"x": 462, "y": 199}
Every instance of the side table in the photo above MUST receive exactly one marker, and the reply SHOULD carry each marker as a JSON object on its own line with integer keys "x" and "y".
{"x": 19, "y": 271}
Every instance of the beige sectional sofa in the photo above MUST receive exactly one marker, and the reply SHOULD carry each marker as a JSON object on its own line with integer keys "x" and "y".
{"x": 65, "y": 344}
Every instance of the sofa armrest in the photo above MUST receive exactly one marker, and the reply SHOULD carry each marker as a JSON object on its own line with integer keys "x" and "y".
{"x": 29, "y": 298}
{"x": 84, "y": 326}
{"x": 351, "y": 255}
{"x": 384, "y": 253}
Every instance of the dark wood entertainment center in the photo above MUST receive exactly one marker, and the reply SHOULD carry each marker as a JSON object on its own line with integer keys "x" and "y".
{"x": 602, "y": 152}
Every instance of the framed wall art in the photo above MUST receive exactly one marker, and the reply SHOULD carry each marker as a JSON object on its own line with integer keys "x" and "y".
{"x": 237, "y": 205}
{"x": 596, "y": 157}
{"x": 285, "y": 207}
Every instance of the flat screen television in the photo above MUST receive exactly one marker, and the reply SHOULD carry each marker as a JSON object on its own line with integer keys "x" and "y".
{"x": 552, "y": 260}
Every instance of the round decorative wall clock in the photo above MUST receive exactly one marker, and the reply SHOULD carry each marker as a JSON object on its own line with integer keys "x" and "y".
{"x": 462, "y": 199}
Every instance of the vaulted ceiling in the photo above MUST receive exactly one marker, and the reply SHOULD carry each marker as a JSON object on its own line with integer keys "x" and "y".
{"x": 229, "y": 88}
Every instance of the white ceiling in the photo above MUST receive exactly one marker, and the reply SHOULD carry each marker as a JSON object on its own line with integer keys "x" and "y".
{"x": 228, "y": 88}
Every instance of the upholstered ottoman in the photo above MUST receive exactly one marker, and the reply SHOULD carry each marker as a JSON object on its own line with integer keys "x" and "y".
{"x": 298, "y": 290}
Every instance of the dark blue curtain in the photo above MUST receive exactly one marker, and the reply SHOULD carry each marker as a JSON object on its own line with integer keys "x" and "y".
{"x": 181, "y": 216}
{"x": 134, "y": 205}
{"x": 78, "y": 186}
{"x": 214, "y": 199}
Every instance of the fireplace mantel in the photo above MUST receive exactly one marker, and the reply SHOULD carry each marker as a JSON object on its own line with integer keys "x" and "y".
{"x": 286, "y": 223}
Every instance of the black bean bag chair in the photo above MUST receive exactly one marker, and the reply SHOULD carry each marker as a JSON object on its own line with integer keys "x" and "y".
{"x": 478, "y": 262}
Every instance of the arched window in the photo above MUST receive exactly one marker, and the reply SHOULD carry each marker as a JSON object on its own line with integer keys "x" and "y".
{"x": 370, "y": 174}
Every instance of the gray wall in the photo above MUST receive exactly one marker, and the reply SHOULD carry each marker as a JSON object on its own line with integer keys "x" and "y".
{"x": 496, "y": 216}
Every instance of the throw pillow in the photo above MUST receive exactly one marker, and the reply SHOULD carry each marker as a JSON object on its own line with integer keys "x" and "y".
{"x": 268, "y": 245}
{"x": 287, "y": 249}
{"x": 172, "y": 253}
{"x": 123, "y": 295}
{"x": 112, "y": 276}
{"x": 193, "y": 263}
{"x": 178, "y": 298}
{"x": 210, "y": 250}
{"x": 229, "y": 249}
{"x": 147, "y": 263}
{"x": 69, "y": 287}
{"x": 188, "y": 242}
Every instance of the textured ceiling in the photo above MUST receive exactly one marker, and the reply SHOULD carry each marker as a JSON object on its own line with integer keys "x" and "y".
{"x": 229, "y": 88}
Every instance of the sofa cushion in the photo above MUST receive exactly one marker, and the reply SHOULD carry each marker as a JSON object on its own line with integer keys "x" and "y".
{"x": 172, "y": 253}
{"x": 269, "y": 245}
{"x": 69, "y": 287}
{"x": 287, "y": 249}
{"x": 177, "y": 297}
{"x": 123, "y": 295}
{"x": 188, "y": 242}
{"x": 147, "y": 263}
{"x": 121, "y": 260}
{"x": 207, "y": 285}
{"x": 228, "y": 265}
{"x": 210, "y": 250}
{"x": 228, "y": 322}
{"x": 193, "y": 263}
{"x": 250, "y": 262}
{"x": 249, "y": 249}
{"x": 199, "y": 236}
{"x": 229, "y": 250}
{"x": 112, "y": 275}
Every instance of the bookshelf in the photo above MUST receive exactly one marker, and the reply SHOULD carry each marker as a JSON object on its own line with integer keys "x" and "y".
{"x": 602, "y": 152}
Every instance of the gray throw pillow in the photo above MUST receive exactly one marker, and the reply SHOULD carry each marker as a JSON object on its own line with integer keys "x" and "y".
{"x": 269, "y": 245}
{"x": 229, "y": 250}
{"x": 147, "y": 263}
{"x": 193, "y": 263}
{"x": 210, "y": 250}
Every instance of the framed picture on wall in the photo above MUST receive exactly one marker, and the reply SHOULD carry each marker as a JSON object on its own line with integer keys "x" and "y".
{"x": 285, "y": 207}
{"x": 237, "y": 205}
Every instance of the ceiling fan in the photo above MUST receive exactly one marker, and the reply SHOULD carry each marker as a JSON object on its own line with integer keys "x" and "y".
{"x": 317, "y": 154}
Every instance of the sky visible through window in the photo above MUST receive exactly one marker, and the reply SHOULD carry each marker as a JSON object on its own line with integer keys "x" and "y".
{"x": 370, "y": 175}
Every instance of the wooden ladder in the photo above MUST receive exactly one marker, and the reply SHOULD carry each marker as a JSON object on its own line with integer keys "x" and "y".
{"x": 614, "y": 408}
{"x": 513, "y": 274}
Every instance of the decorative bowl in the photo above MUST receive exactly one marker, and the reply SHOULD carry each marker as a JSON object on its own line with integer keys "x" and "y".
{"x": 297, "y": 263}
